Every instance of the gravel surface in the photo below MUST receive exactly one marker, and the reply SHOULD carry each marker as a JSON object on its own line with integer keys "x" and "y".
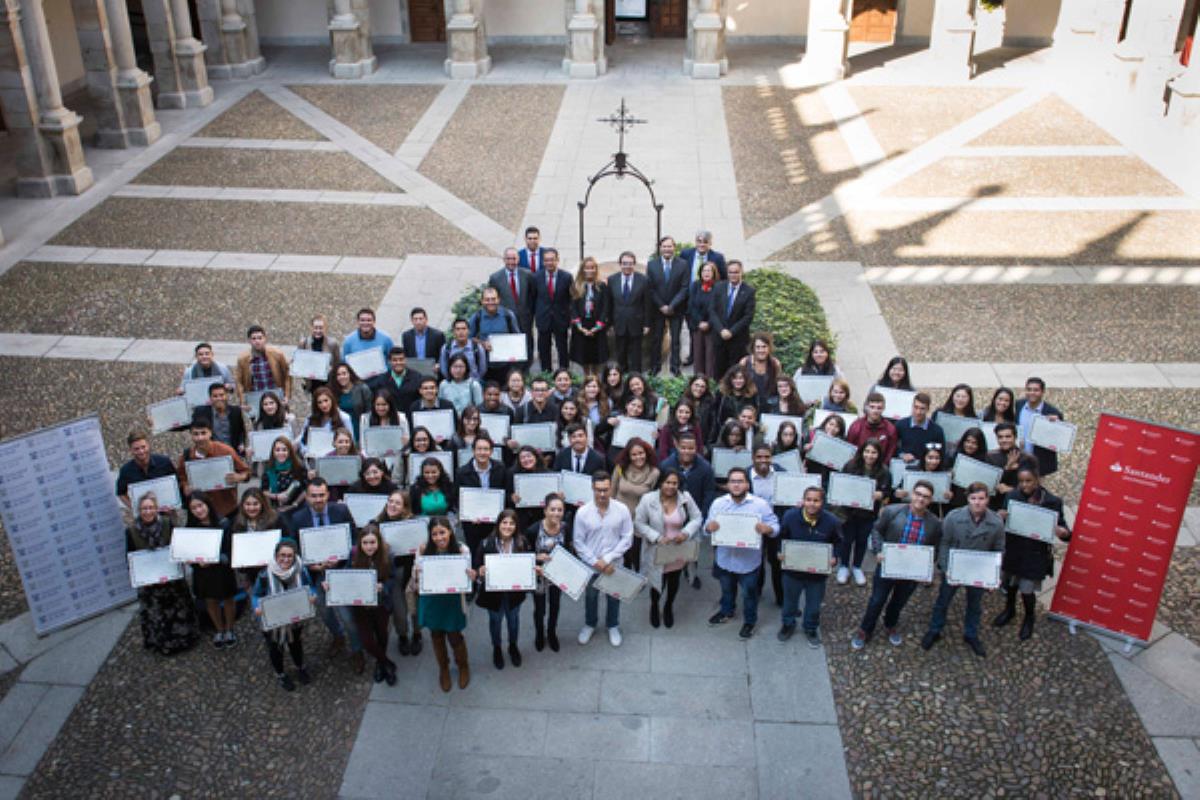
{"x": 1037, "y": 177}
{"x": 1057, "y": 323}
{"x": 1051, "y": 121}
{"x": 257, "y": 227}
{"x": 383, "y": 114}
{"x": 1181, "y": 595}
{"x": 903, "y": 117}
{"x": 264, "y": 169}
{"x": 109, "y": 300}
{"x": 258, "y": 117}
{"x": 12, "y": 594}
{"x": 485, "y": 130}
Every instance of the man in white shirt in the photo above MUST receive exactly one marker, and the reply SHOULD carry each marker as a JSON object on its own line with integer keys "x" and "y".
{"x": 738, "y": 566}
{"x": 603, "y": 532}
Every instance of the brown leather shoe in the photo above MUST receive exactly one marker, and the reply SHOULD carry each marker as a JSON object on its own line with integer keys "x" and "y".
{"x": 359, "y": 662}
{"x": 460, "y": 660}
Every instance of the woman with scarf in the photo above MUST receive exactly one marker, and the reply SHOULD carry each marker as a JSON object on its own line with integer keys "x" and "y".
{"x": 284, "y": 477}
{"x": 635, "y": 475}
{"x": 283, "y": 574}
{"x": 167, "y": 613}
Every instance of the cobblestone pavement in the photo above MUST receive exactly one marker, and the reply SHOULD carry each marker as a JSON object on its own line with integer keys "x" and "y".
{"x": 1181, "y": 596}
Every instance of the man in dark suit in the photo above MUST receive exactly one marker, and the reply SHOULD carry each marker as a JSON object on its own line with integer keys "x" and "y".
{"x": 422, "y": 341}
{"x": 399, "y": 381}
{"x": 1030, "y": 406}
{"x": 696, "y": 257}
{"x": 669, "y": 285}
{"x": 578, "y": 457}
{"x": 552, "y": 310}
{"x": 516, "y": 289}
{"x": 228, "y": 423}
{"x": 531, "y": 257}
{"x": 631, "y": 308}
{"x": 480, "y": 473}
{"x": 732, "y": 314}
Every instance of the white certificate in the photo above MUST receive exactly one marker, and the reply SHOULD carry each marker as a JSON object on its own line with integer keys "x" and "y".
{"x": 352, "y": 587}
{"x": 496, "y": 425}
{"x": 166, "y": 490}
{"x": 509, "y": 572}
{"x": 404, "y": 537}
{"x": 286, "y": 608}
{"x": 320, "y": 442}
{"x": 725, "y": 459}
{"x": 968, "y": 470}
{"x": 208, "y": 474}
{"x": 367, "y": 363}
{"x": 311, "y": 364}
{"x": 338, "y": 470}
{"x": 320, "y": 544}
{"x": 830, "y": 451}
{"x": 167, "y": 415}
{"x": 820, "y": 415}
{"x": 940, "y": 481}
{"x": 152, "y": 567}
{"x": 445, "y": 574}
{"x": 1030, "y": 521}
{"x": 771, "y": 423}
{"x": 897, "y": 403}
{"x": 415, "y": 460}
{"x": 897, "y": 467}
{"x": 954, "y": 426}
{"x": 384, "y": 440}
{"x": 1057, "y": 436}
{"x": 254, "y": 548}
{"x": 910, "y": 562}
{"x": 539, "y": 435}
{"x": 507, "y": 348}
{"x": 790, "y": 487}
{"x": 439, "y": 422}
{"x": 480, "y": 505}
{"x": 989, "y": 435}
{"x": 196, "y": 545}
{"x": 364, "y": 507}
{"x": 634, "y": 428}
{"x": 851, "y": 491}
{"x": 788, "y": 461}
{"x": 668, "y": 553}
{"x": 813, "y": 388}
{"x": 737, "y": 530}
{"x": 195, "y": 391}
{"x": 810, "y": 557}
{"x": 576, "y": 487}
{"x": 422, "y": 366}
{"x": 622, "y": 584}
{"x": 261, "y": 443}
{"x": 567, "y": 572}
{"x": 532, "y": 487}
{"x": 976, "y": 568}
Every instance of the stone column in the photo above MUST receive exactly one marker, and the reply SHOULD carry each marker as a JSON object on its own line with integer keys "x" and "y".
{"x": 179, "y": 64}
{"x": 1145, "y": 59}
{"x": 585, "y": 40}
{"x": 827, "y": 45}
{"x": 466, "y": 41}
{"x": 707, "y": 53}
{"x": 1082, "y": 27}
{"x": 1183, "y": 104}
{"x": 232, "y": 43}
{"x": 953, "y": 39}
{"x": 350, "y": 40}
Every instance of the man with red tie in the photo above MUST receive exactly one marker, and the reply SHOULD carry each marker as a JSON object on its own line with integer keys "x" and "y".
{"x": 516, "y": 289}
{"x": 532, "y": 257}
{"x": 552, "y": 310}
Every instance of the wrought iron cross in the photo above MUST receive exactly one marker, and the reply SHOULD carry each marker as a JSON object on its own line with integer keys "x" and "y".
{"x": 622, "y": 120}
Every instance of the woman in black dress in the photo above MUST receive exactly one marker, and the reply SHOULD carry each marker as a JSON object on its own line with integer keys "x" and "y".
{"x": 215, "y": 584}
{"x": 589, "y": 315}
{"x": 167, "y": 613}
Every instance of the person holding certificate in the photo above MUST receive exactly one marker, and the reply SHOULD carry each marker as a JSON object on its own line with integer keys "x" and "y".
{"x": 459, "y": 388}
{"x": 262, "y": 366}
{"x": 764, "y": 367}
{"x": 325, "y": 416}
{"x": 353, "y": 395}
{"x": 421, "y": 444}
{"x": 204, "y": 366}
{"x": 273, "y": 416}
{"x": 203, "y": 446}
{"x": 319, "y": 340}
{"x": 214, "y": 583}
{"x": 762, "y": 484}
{"x": 931, "y": 462}
{"x": 895, "y": 375}
{"x": 603, "y": 534}
{"x": 869, "y": 463}
{"x": 143, "y": 465}
{"x": 668, "y": 516}
{"x": 372, "y": 478}
{"x": 636, "y": 474}
{"x": 973, "y": 527}
{"x": 808, "y": 523}
{"x": 917, "y": 431}
{"x": 972, "y": 444}
{"x": 371, "y": 553}
{"x": 683, "y": 420}
{"x": 402, "y": 590}
{"x": 165, "y": 610}
{"x": 737, "y": 390}
{"x": 553, "y": 530}
{"x": 428, "y": 400}
{"x": 1031, "y": 405}
{"x": 873, "y": 425}
{"x": 444, "y": 614}
{"x": 787, "y": 439}
{"x": 739, "y": 566}
{"x": 1027, "y": 561}
{"x": 502, "y": 606}
{"x": 284, "y": 573}
{"x": 834, "y": 426}
{"x": 733, "y": 439}
{"x": 255, "y": 514}
{"x": 1010, "y": 458}
{"x": 785, "y": 399}
{"x": 228, "y": 423}
{"x": 912, "y": 523}
{"x": 285, "y": 476}
{"x": 366, "y": 335}
{"x": 432, "y": 494}
{"x": 529, "y": 462}
{"x": 635, "y": 408}
{"x": 480, "y": 473}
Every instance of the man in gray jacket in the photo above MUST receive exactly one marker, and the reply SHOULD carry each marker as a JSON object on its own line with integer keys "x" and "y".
{"x": 972, "y": 527}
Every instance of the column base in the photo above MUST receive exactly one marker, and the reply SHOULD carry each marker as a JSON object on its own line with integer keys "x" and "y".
{"x": 584, "y": 69}
{"x": 122, "y": 138}
{"x": 77, "y": 182}
{"x": 353, "y": 69}
{"x": 246, "y": 69}
{"x": 703, "y": 70}
{"x": 193, "y": 99}
{"x": 466, "y": 70}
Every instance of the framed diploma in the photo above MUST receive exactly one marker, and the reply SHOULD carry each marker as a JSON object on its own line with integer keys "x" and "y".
{"x": 813, "y": 388}
{"x": 480, "y": 505}
{"x": 319, "y": 545}
{"x": 910, "y": 562}
{"x": 352, "y": 587}
{"x": 166, "y": 490}
{"x": 286, "y": 608}
{"x": 968, "y": 470}
{"x": 567, "y": 572}
{"x": 167, "y": 415}
{"x": 424, "y": 367}
{"x": 1057, "y": 436}
{"x": 737, "y": 530}
{"x": 532, "y": 487}
{"x": 339, "y": 470}
{"x": 687, "y": 550}
{"x": 195, "y": 391}
{"x": 633, "y": 428}
{"x": 405, "y": 537}
{"x": 444, "y": 574}
{"x": 509, "y": 572}
{"x": 261, "y": 443}
{"x": 311, "y": 364}
{"x": 507, "y": 348}
{"x": 415, "y": 460}
{"x": 254, "y": 548}
{"x": 771, "y": 423}
{"x": 576, "y": 487}
{"x": 384, "y": 440}
{"x": 208, "y": 474}
{"x": 897, "y": 467}
{"x": 439, "y": 422}
{"x": 940, "y": 481}
{"x": 977, "y": 568}
{"x": 152, "y": 567}
{"x": 496, "y": 425}
{"x": 1030, "y": 521}
{"x": 622, "y": 584}
{"x": 788, "y": 461}
{"x": 320, "y": 442}
{"x": 196, "y": 545}
{"x": 831, "y": 452}
{"x": 367, "y": 363}
{"x": 810, "y": 557}
{"x": 725, "y": 459}
{"x": 540, "y": 435}
{"x": 790, "y": 487}
{"x": 251, "y": 401}
{"x": 820, "y": 415}
{"x": 364, "y": 507}
{"x": 897, "y": 403}
{"x": 851, "y": 491}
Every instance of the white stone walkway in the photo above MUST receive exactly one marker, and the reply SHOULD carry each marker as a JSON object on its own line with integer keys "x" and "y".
{"x": 164, "y": 192}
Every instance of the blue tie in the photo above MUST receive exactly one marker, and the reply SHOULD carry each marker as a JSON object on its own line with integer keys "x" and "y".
{"x": 666, "y": 271}
{"x": 729, "y": 305}
{"x": 625, "y": 291}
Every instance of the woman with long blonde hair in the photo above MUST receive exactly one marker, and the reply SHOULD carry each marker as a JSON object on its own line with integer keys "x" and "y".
{"x": 589, "y": 312}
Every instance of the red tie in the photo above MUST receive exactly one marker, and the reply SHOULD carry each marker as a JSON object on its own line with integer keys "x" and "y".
{"x": 512, "y": 283}
{"x": 533, "y": 261}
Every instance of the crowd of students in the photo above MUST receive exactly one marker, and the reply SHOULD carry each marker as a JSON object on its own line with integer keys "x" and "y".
{"x": 651, "y": 491}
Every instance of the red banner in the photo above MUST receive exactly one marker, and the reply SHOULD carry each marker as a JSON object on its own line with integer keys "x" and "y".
{"x": 1137, "y": 486}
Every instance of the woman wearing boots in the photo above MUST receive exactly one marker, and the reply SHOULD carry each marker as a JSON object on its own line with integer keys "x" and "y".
{"x": 552, "y": 531}
{"x": 404, "y": 602}
{"x": 283, "y": 574}
{"x": 372, "y": 553}
{"x": 1027, "y": 561}
{"x": 666, "y": 516}
{"x": 444, "y": 614}
{"x": 502, "y": 606}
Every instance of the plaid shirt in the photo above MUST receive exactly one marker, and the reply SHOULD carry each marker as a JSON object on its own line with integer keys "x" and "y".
{"x": 260, "y": 373}
{"x": 914, "y": 530}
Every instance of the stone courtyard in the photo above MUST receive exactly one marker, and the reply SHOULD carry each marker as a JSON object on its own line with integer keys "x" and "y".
{"x": 1017, "y": 224}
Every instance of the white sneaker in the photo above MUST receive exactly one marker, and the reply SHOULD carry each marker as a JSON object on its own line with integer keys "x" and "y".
{"x": 843, "y": 575}
{"x": 859, "y": 578}
{"x": 585, "y": 634}
{"x": 614, "y": 637}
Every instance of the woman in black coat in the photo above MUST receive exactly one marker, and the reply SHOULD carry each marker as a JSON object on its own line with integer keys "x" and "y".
{"x": 502, "y": 606}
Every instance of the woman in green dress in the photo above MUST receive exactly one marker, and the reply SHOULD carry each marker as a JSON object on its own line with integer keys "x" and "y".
{"x": 445, "y": 614}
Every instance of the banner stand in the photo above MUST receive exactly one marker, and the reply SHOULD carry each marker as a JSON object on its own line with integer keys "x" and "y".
{"x": 1128, "y": 642}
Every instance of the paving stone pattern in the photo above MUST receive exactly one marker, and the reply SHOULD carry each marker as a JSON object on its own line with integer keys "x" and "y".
{"x": 1081, "y": 176}
{"x": 258, "y": 117}
{"x": 383, "y": 114}
{"x": 1051, "y": 121}
{"x": 264, "y": 169}
{"x": 903, "y": 118}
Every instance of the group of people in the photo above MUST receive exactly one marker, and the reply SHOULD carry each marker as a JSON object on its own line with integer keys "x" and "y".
{"x": 706, "y": 458}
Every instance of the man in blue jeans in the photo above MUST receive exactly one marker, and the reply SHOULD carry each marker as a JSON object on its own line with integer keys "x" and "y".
{"x": 738, "y": 566}
{"x": 809, "y": 523}
{"x": 603, "y": 532}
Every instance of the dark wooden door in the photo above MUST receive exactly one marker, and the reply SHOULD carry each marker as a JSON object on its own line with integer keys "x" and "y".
{"x": 668, "y": 18}
{"x": 873, "y": 21}
{"x": 427, "y": 20}
{"x": 610, "y": 21}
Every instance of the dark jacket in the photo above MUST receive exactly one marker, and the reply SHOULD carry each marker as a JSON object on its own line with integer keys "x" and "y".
{"x": 601, "y": 308}
{"x": 338, "y": 514}
{"x": 699, "y": 306}
{"x": 403, "y": 393}
{"x": 565, "y": 461}
{"x": 522, "y": 305}
{"x": 795, "y": 527}
{"x": 1029, "y": 558}
{"x": 737, "y": 319}
{"x": 434, "y": 340}
{"x": 699, "y": 481}
{"x": 959, "y": 532}
{"x": 1047, "y": 459}
{"x": 672, "y": 291}
{"x": 552, "y": 314}
{"x": 491, "y": 546}
{"x": 889, "y": 527}
{"x": 238, "y": 426}
{"x": 689, "y": 256}
{"x": 630, "y": 316}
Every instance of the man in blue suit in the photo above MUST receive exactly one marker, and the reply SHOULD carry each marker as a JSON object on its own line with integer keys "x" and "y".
{"x": 552, "y": 310}
{"x": 531, "y": 256}
{"x": 669, "y": 285}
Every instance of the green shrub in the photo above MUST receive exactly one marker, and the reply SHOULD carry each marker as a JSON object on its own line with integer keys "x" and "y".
{"x": 671, "y": 387}
{"x": 790, "y": 311}
{"x": 468, "y": 304}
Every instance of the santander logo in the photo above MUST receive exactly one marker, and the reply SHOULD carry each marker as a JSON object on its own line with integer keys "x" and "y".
{"x": 1138, "y": 474}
